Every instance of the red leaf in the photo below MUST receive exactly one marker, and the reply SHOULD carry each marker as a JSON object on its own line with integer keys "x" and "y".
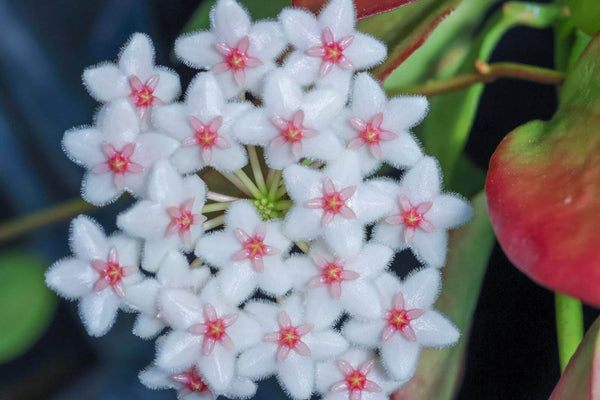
{"x": 364, "y": 8}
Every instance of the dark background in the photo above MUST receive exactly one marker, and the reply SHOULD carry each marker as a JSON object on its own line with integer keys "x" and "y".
{"x": 45, "y": 45}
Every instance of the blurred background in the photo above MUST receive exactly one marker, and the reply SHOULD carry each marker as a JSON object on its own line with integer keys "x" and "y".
{"x": 44, "y": 350}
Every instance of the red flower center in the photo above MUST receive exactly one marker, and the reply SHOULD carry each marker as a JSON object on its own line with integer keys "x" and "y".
{"x": 142, "y": 94}
{"x": 192, "y": 380}
{"x": 356, "y": 380}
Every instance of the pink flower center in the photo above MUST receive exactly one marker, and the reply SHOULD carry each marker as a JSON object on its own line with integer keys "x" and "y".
{"x": 399, "y": 318}
{"x": 254, "y": 247}
{"x": 332, "y": 52}
{"x": 355, "y": 380}
{"x": 182, "y": 220}
{"x": 193, "y": 382}
{"x": 289, "y": 337}
{"x": 371, "y": 134}
{"x": 292, "y": 131}
{"x": 236, "y": 59}
{"x": 214, "y": 329}
{"x": 142, "y": 94}
{"x": 111, "y": 273}
{"x": 118, "y": 162}
{"x": 412, "y": 217}
{"x": 206, "y": 136}
{"x": 332, "y": 274}
{"x": 333, "y": 202}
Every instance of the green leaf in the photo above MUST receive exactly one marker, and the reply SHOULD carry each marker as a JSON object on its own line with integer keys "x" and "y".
{"x": 581, "y": 379}
{"x": 26, "y": 304}
{"x": 404, "y": 30}
{"x": 259, "y": 9}
{"x": 445, "y": 48}
{"x": 585, "y": 15}
{"x": 451, "y": 117}
{"x": 439, "y": 371}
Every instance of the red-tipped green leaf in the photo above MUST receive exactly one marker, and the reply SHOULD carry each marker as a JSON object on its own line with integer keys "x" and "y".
{"x": 404, "y": 30}
{"x": 364, "y": 8}
{"x": 581, "y": 379}
{"x": 543, "y": 188}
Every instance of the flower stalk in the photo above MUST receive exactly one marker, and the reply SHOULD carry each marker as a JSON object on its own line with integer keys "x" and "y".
{"x": 569, "y": 326}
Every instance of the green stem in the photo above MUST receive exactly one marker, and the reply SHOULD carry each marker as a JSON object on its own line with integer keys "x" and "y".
{"x": 213, "y": 223}
{"x": 282, "y": 191}
{"x": 256, "y": 169}
{"x": 569, "y": 326}
{"x": 304, "y": 246}
{"x": 22, "y": 225}
{"x": 485, "y": 73}
{"x": 248, "y": 183}
{"x": 215, "y": 207}
{"x": 237, "y": 183}
{"x": 283, "y": 205}
{"x": 275, "y": 185}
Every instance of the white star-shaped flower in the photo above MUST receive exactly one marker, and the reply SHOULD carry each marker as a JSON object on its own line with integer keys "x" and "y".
{"x": 239, "y": 52}
{"x": 354, "y": 375}
{"x": 334, "y": 285}
{"x": 203, "y": 126}
{"x": 207, "y": 333}
{"x": 379, "y": 129}
{"x": 292, "y": 124}
{"x": 171, "y": 218}
{"x": 248, "y": 253}
{"x": 114, "y": 153}
{"x": 421, "y": 215}
{"x": 290, "y": 348}
{"x": 190, "y": 384}
{"x": 328, "y": 49}
{"x": 407, "y": 323}
{"x": 333, "y": 203}
{"x": 98, "y": 275}
{"x": 173, "y": 273}
{"x": 134, "y": 77}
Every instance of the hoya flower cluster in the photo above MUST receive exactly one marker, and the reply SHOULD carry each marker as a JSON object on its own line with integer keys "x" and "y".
{"x": 331, "y": 319}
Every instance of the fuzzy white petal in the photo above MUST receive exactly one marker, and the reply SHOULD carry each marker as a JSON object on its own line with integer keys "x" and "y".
{"x": 423, "y": 180}
{"x": 180, "y": 308}
{"x": 245, "y": 332}
{"x": 99, "y": 189}
{"x": 297, "y": 375}
{"x": 368, "y": 98}
{"x": 404, "y": 112}
{"x": 230, "y": 21}
{"x": 87, "y": 239}
{"x": 422, "y": 288}
{"x": 147, "y": 327}
{"x": 169, "y": 87}
{"x": 98, "y": 311}
{"x": 258, "y": 362}
{"x": 217, "y": 248}
{"x": 431, "y": 247}
{"x": 105, "y": 82}
{"x": 155, "y": 250}
{"x": 301, "y": 28}
{"x": 84, "y": 146}
{"x": 302, "y": 223}
{"x": 71, "y": 278}
{"x": 404, "y": 151}
{"x": 326, "y": 345}
{"x": 360, "y": 298}
{"x": 143, "y": 296}
{"x": 178, "y": 350}
{"x": 339, "y": 16}
{"x": 275, "y": 279}
{"x": 267, "y": 40}
{"x": 322, "y": 310}
{"x": 218, "y": 368}
{"x": 365, "y": 51}
{"x": 145, "y": 219}
{"x": 303, "y": 68}
{"x": 197, "y": 49}
{"x": 449, "y": 211}
{"x": 390, "y": 235}
{"x": 265, "y": 313}
{"x": 118, "y": 123}
{"x": 364, "y": 333}
{"x": 137, "y": 57}
{"x": 243, "y": 215}
{"x": 435, "y": 330}
{"x": 400, "y": 357}
{"x": 345, "y": 237}
{"x": 237, "y": 281}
